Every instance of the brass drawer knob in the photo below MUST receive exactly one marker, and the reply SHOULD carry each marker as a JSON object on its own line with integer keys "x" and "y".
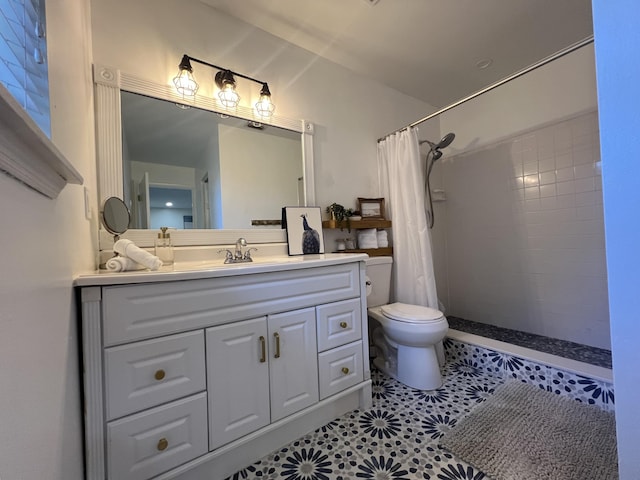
{"x": 159, "y": 375}
{"x": 345, "y": 370}
{"x": 162, "y": 444}
{"x": 343, "y": 324}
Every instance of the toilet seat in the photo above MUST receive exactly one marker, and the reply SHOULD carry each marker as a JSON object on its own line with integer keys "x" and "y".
{"x": 404, "y": 312}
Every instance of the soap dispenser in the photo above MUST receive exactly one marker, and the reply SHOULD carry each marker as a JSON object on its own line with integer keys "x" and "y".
{"x": 164, "y": 248}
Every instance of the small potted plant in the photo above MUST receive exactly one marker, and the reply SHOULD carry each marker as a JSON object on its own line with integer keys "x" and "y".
{"x": 340, "y": 215}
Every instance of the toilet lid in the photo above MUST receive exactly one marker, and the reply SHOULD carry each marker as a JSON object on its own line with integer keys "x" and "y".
{"x": 411, "y": 313}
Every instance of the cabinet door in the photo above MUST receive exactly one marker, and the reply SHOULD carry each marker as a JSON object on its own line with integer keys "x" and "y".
{"x": 293, "y": 367}
{"x": 237, "y": 379}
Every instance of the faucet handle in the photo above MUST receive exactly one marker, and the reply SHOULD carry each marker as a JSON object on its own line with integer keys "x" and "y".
{"x": 247, "y": 254}
{"x": 228, "y": 257}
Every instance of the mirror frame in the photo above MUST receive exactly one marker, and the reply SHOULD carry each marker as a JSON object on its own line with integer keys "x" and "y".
{"x": 108, "y": 83}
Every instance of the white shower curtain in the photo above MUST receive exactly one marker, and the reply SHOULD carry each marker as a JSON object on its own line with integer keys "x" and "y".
{"x": 402, "y": 185}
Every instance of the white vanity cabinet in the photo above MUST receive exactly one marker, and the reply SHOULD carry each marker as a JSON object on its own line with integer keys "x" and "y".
{"x": 260, "y": 370}
{"x": 194, "y": 378}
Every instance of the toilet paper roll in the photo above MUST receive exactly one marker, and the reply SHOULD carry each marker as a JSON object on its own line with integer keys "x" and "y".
{"x": 368, "y": 286}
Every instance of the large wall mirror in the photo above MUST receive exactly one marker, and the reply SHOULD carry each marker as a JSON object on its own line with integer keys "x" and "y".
{"x": 197, "y": 168}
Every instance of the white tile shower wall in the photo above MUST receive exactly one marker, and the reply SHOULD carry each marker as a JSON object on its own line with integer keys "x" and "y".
{"x": 525, "y": 234}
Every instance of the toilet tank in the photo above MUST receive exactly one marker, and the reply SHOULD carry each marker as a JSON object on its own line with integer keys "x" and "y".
{"x": 379, "y": 277}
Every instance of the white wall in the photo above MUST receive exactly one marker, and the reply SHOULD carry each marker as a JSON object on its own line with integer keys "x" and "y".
{"x": 259, "y": 173}
{"x": 617, "y": 27}
{"x": 44, "y": 242}
{"x": 522, "y": 225}
{"x": 350, "y": 112}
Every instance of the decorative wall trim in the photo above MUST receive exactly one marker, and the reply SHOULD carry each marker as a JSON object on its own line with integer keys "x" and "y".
{"x": 28, "y": 155}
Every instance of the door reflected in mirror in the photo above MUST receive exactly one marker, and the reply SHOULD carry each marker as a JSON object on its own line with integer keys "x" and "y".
{"x": 216, "y": 171}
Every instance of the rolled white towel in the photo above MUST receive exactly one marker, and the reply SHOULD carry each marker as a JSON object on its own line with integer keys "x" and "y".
{"x": 122, "y": 264}
{"x": 129, "y": 249}
{"x": 383, "y": 240}
{"x": 367, "y": 238}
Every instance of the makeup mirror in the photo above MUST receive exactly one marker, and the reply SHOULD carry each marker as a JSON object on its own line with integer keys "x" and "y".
{"x": 115, "y": 216}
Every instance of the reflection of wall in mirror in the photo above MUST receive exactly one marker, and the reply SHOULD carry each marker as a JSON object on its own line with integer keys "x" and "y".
{"x": 263, "y": 170}
{"x": 168, "y": 175}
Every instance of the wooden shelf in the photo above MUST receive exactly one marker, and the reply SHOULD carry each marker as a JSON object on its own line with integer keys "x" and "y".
{"x": 357, "y": 224}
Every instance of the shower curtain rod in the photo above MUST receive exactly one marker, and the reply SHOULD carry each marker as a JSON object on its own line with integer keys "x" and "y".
{"x": 544, "y": 61}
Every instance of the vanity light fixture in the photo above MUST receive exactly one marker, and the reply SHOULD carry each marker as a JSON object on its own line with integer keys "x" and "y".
{"x": 184, "y": 81}
{"x": 226, "y": 82}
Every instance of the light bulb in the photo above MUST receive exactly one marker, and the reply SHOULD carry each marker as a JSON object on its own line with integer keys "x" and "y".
{"x": 264, "y": 107}
{"x": 228, "y": 96}
{"x": 185, "y": 83}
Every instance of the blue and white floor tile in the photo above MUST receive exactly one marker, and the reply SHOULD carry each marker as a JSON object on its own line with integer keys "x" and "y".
{"x": 396, "y": 439}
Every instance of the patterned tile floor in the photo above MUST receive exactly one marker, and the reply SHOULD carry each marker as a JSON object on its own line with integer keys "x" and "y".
{"x": 396, "y": 439}
{"x": 562, "y": 348}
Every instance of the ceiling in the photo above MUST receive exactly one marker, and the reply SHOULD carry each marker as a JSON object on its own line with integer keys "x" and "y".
{"x": 427, "y": 49}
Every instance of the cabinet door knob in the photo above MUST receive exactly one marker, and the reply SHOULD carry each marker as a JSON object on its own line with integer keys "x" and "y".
{"x": 263, "y": 348}
{"x": 159, "y": 375}
{"x": 343, "y": 324}
{"x": 277, "y": 337}
{"x": 345, "y": 370}
{"x": 162, "y": 444}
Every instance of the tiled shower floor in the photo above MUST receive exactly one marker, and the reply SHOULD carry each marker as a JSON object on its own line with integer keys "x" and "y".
{"x": 396, "y": 439}
{"x": 554, "y": 346}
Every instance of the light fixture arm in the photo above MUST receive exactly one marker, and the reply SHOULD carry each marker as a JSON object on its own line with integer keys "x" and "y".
{"x": 222, "y": 69}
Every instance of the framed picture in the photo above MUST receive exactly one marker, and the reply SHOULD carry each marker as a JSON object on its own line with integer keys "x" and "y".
{"x": 304, "y": 230}
{"x": 371, "y": 207}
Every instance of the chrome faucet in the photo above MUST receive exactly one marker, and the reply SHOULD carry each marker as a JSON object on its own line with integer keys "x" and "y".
{"x": 239, "y": 256}
{"x": 240, "y": 244}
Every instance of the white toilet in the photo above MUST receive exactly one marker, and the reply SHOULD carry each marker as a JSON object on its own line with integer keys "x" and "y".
{"x": 408, "y": 338}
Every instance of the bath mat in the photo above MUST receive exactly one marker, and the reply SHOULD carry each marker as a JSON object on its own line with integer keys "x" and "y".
{"x": 524, "y": 433}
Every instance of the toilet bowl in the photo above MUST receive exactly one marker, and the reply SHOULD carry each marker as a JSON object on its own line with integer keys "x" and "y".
{"x": 408, "y": 338}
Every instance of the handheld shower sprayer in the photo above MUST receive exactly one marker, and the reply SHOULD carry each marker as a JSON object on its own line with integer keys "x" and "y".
{"x": 435, "y": 153}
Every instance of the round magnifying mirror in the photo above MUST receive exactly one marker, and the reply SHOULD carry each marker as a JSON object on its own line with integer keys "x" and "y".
{"x": 115, "y": 216}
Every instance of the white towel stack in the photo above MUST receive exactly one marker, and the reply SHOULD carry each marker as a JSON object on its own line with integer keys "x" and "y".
{"x": 383, "y": 240}
{"x": 122, "y": 264}
{"x": 367, "y": 238}
{"x": 128, "y": 249}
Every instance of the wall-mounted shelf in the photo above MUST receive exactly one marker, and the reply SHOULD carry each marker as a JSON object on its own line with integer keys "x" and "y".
{"x": 358, "y": 225}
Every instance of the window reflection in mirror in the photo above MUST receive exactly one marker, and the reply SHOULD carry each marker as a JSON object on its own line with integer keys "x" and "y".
{"x": 191, "y": 168}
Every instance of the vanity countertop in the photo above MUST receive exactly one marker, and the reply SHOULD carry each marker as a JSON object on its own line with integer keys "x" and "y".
{"x": 193, "y": 270}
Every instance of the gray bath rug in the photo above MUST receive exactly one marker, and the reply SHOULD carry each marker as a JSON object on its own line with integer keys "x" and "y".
{"x": 524, "y": 433}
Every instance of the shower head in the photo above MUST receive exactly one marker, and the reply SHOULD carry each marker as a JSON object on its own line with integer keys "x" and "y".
{"x": 443, "y": 143}
{"x": 446, "y": 140}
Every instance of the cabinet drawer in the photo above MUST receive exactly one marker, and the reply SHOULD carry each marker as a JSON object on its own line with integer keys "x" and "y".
{"x": 146, "y": 374}
{"x": 149, "y": 443}
{"x": 340, "y": 368}
{"x": 136, "y": 312}
{"x": 339, "y": 323}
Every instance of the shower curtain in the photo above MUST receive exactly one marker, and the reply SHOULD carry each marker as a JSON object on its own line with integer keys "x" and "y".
{"x": 402, "y": 185}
